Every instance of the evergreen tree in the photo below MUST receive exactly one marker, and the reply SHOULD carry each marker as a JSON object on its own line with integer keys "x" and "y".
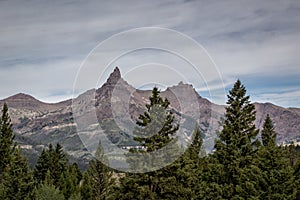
{"x": 187, "y": 170}
{"x": 15, "y": 178}
{"x": 236, "y": 147}
{"x": 297, "y": 177}
{"x": 98, "y": 180}
{"x": 58, "y": 163}
{"x": 69, "y": 181}
{"x": 179, "y": 179}
{"x": 48, "y": 192}
{"x": 18, "y": 179}
{"x": 7, "y": 144}
{"x": 279, "y": 181}
{"x": 76, "y": 171}
{"x": 86, "y": 188}
{"x": 291, "y": 153}
{"x": 156, "y": 125}
{"x": 239, "y": 133}
{"x": 42, "y": 166}
{"x": 53, "y": 160}
{"x": 196, "y": 149}
{"x": 155, "y": 132}
{"x": 268, "y": 134}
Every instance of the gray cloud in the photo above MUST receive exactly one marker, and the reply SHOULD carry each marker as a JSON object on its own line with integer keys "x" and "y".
{"x": 46, "y": 41}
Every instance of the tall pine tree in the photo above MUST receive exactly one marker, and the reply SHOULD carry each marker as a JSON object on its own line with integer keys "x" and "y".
{"x": 7, "y": 144}
{"x": 279, "y": 182}
{"x": 98, "y": 180}
{"x": 268, "y": 134}
{"x": 235, "y": 149}
{"x": 15, "y": 178}
{"x": 177, "y": 180}
{"x": 55, "y": 161}
{"x": 156, "y": 125}
{"x": 18, "y": 178}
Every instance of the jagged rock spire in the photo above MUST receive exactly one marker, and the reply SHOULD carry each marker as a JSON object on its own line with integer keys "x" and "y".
{"x": 114, "y": 77}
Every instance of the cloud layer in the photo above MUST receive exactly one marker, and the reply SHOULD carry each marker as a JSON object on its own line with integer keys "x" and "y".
{"x": 43, "y": 43}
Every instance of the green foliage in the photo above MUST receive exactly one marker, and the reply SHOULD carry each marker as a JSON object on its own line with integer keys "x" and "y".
{"x": 297, "y": 177}
{"x": 42, "y": 166}
{"x": 279, "y": 182}
{"x": 53, "y": 160}
{"x": 197, "y": 149}
{"x": 7, "y": 145}
{"x": 48, "y": 192}
{"x": 179, "y": 179}
{"x": 241, "y": 168}
{"x": 18, "y": 179}
{"x": 52, "y": 168}
{"x": 15, "y": 178}
{"x": 156, "y": 125}
{"x": 291, "y": 153}
{"x": 69, "y": 181}
{"x": 98, "y": 179}
{"x": 268, "y": 134}
{"x": 238, "y": 135}
{"x": 75, "y": 196}
{"x": 236, "y": 147}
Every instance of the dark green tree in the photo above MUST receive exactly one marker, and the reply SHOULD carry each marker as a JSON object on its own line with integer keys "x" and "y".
{"x": 7, "y": 144}
{"x": 239, "y": 134}
{"x": 279, "y": 182}
{"x": 70, "y": 181}
{"x": 187, "y": 170}
{"x": 98, "y": 180}
{"x": 268, "y": 134}
{"x": 42, "y": 165}
{"x": 48, "y": 192}
{"x": 177, "y": 180}
{"x": 291, "y": 153}
{"x": 58, "y": 163}
{"x": 196, "y": 149}
{"x": 16, "y": 181}
{"x": 53, "y": 160}
{"x": 236, "y": 147}
{"x": 86, "y": 188}
{"x": 297, "y": 177}
{"x": 156, "y": 125}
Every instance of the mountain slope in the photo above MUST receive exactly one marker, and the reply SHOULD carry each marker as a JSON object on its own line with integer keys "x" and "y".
{"x": 37, "y": 123}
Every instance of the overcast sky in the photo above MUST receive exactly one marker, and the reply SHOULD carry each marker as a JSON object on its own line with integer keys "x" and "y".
{"x": 44, "y": 43}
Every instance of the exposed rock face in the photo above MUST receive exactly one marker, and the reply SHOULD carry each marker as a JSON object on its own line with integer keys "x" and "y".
{"x": 286, "y": 120}
{"x": 25, "y": 101}
{"x": 114, "y": 77}
{"x": 38, "y": 124}
{"x": 103, "y": 94}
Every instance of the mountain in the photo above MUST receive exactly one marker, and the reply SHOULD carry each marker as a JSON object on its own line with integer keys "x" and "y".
{"x": 75, "y": 123}
{"x": 286, "y": 120}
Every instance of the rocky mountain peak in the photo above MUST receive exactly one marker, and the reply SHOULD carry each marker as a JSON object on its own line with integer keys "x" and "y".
{"x": 22, "y": 96}
{"x": 114, "y": 77}
{"x": 183, "y": 88}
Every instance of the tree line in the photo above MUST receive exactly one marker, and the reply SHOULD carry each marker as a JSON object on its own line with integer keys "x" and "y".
{"x": 240, "y": 167}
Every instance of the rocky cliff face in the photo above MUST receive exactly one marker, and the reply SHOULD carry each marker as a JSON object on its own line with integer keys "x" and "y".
{"x": 37, "y": 123}
{"x": 286, "y": 120}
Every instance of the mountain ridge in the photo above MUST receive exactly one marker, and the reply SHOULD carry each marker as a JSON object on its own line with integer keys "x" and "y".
{"x": 43, "y": 123}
